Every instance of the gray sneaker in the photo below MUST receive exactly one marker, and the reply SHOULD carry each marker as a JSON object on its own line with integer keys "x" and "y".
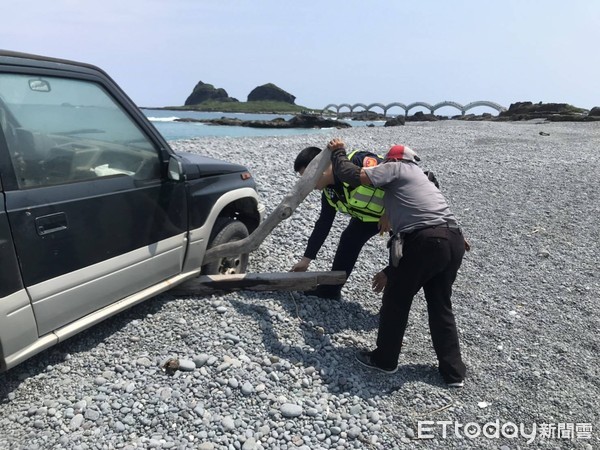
{"x": 365, "y": 358}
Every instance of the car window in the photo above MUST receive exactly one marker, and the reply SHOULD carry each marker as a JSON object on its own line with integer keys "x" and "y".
{"x": 62, "y": 130}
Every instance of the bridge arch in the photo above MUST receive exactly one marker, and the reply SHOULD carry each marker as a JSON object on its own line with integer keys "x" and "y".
{"x": 331, "y": 105}
{"x": 358, "y": 105}
{"x": 492, "y": 105}
{"x": 394, "y": 104}
{"x": 377, "y": 105}
{"x": 416, "y": 104}
{"x": 456, "y": 105}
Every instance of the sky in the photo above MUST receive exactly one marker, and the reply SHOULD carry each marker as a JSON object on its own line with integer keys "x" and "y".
{"x": 327, "y": 51}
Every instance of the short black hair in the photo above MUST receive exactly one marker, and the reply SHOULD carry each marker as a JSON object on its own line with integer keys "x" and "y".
{"x": 305, "y": 157}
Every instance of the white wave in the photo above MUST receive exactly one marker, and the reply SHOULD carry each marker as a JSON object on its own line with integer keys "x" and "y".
{"x": 163, "y": 119}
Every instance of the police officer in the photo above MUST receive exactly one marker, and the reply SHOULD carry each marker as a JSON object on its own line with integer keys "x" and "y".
{"x": 363, "y": 203}
{"x": 432, "y": 252}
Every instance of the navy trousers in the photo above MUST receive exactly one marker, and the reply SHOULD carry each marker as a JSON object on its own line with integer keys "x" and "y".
{"x": 431, "y": 259}
{"x": 352, "y": 240}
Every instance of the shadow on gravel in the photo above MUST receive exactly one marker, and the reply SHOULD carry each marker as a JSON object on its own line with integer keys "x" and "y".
{"x": 326, "y": 346}
{"x": 84, "y": 341}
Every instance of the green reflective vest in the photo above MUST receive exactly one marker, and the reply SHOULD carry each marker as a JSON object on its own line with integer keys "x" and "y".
{"x": 363, "y": 202}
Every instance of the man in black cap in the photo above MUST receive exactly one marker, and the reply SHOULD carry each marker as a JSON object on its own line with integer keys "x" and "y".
{"x": 336, "y": 196}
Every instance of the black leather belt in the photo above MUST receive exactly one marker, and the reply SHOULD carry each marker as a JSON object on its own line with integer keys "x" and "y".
{"x": 452, "y": 226}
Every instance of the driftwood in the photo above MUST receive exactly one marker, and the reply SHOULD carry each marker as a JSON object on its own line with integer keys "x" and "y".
{"x": 284, "y": 210}
{"x": 276, "y": 281}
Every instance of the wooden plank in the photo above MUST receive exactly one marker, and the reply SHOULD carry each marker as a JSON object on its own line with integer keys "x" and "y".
{"x": 276, "y": 281}
{"x": 284, "y": 210}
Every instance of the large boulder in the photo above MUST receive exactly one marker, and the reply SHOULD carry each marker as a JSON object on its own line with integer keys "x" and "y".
{"x": 549, "y": 111}
{"x": 594, "y": 112}
{"x": 272, "y": 93}
{"x": 207, "y": 92}
{"x": 420, "y": 116}
{"x": 394, "y": 122}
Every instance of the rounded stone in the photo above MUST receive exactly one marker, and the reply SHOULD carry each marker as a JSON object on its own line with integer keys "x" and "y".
{"x": 290, "y": 410}
{"x": 186, "y": 365}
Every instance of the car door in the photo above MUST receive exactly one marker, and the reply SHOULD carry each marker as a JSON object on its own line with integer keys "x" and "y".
{"x": 16, "y": 316}
{"x": 93, "y": 215}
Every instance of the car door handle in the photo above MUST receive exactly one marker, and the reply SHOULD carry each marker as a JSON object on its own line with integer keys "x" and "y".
{"x": 51, "y": 223}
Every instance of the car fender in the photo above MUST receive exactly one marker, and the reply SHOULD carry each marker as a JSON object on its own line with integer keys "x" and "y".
{"x": 199, "y": 237}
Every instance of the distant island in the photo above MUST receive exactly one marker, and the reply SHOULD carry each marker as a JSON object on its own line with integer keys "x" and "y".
{"x": 264, "y": 99}
{"x": 271, "y": 99}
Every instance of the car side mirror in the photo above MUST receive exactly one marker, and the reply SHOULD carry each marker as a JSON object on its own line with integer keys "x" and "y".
{"x": 39, "y": 85}
{"x": 175, "y": 169}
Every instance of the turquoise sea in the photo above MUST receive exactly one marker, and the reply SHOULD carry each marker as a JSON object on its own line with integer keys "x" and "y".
{"x": 164, "y": 121}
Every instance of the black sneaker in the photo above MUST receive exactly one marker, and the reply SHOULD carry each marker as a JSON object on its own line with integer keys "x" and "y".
{"x": 365, "y": 358}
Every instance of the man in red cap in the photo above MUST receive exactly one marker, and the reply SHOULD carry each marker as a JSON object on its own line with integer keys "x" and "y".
{"x": 401, "y": 152}
{"x": 428, "y": 255}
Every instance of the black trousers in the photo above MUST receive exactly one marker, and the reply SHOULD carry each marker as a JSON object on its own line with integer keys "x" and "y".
{"x": 431, "y": 259}
{"x": 352, "y": 240}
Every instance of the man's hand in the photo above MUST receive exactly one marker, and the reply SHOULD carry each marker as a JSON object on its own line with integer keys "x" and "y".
{"x": 379, "y": 281}
{"x": 343, "y": 168}
{"x": 336, "y": 144}
{"x": 467, "y": 246}
{"x": 302, "y": 265}
{"x": 384, "y": 224}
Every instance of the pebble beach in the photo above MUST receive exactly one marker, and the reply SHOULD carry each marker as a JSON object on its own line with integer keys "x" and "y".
{"x": 276, "y": 370}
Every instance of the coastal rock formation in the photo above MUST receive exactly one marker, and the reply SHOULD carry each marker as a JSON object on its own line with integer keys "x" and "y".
{"x": 550, "y": 111}
{"x": 299, "y": 121}
{"x": 361, "y": 115}
{"x": 270, "y": 92}
{"x": 474, "y": 117}
{"x": 315, "y": 121}
{"x": 420, "y": 116}
{"x": 207, "y": 92}
{"x": 396, "y": 121}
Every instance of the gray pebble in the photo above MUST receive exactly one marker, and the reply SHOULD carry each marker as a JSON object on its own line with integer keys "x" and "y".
{"x": 76, "y": 421}
{"x": 144, "y": 361}
{"x": 201, "y": 359}
{"x": 247, "y": 388}
{"x": 290, "y": 410}
{"x": 228, "y": 423}
{"x": 92, "y": 414}
{"x": 249, "y": 444}
{"x": 186, "y": 365}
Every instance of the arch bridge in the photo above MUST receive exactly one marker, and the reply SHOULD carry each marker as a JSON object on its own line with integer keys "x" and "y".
{"x": 432, "y": 108}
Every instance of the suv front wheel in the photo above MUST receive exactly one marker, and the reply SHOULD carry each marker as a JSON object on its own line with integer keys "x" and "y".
{"x": 227, "y": 230}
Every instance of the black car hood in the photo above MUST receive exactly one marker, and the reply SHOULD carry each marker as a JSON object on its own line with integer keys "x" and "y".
{"x": 198, "y": 166}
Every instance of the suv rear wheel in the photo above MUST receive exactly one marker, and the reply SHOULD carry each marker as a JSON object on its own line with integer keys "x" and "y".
{"x": 227, "y": 230}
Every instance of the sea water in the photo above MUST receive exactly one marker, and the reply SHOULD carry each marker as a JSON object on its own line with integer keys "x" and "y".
{"x": 166, "y": 123}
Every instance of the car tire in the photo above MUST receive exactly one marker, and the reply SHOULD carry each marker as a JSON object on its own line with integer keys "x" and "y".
{"x": 227, "y": 230}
